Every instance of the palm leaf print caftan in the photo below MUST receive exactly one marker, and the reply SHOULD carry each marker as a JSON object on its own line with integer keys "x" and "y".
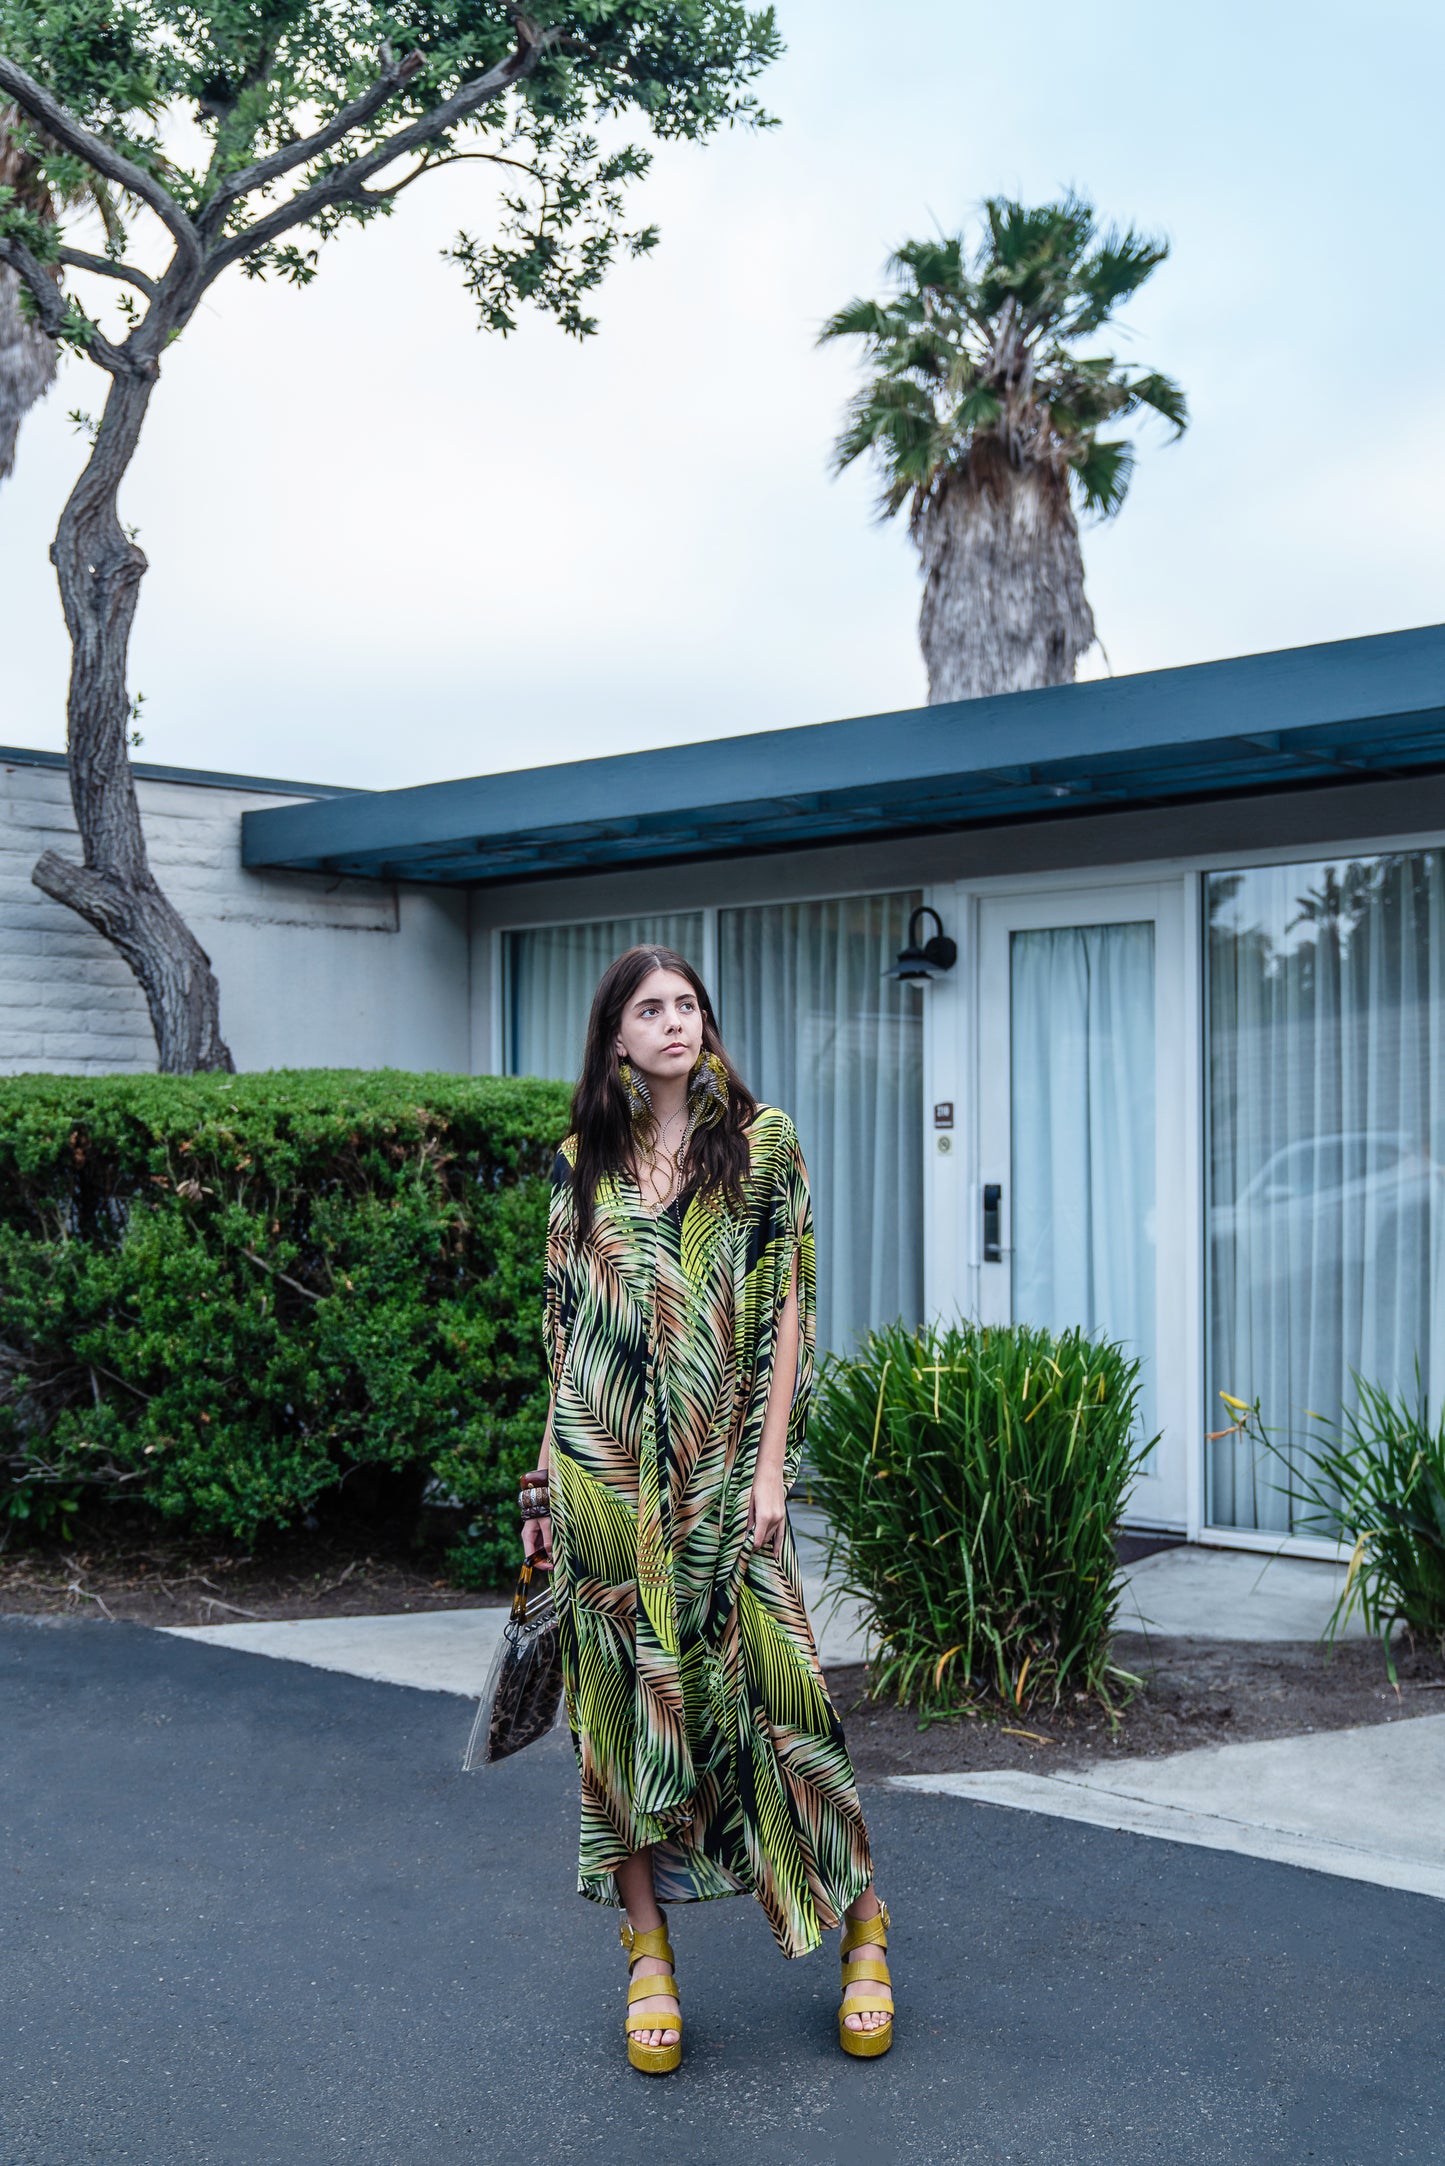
{"x": 699, "y": 1716}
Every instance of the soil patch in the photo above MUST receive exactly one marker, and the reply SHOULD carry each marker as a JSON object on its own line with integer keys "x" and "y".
{"x": 1195, "y": 1692}
{"x": 179, "y": 1582}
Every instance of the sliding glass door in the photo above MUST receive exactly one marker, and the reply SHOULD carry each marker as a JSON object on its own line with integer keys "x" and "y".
{"x": 551, "y": 973}
{"x": 1326, "y": 1156}
{"x": 817, "y": 1029}
{"x": 814, "y": 1027}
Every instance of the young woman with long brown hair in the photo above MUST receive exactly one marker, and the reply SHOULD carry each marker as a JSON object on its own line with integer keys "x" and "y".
{"x": 679, "y": 1317}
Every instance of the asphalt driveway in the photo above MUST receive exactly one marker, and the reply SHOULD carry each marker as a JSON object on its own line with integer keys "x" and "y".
{"x": 253, "y": 1915}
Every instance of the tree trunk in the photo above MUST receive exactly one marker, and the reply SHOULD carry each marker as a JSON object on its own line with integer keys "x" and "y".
{"x": 1004, "y": 608}
{"x": 99, "y": 570}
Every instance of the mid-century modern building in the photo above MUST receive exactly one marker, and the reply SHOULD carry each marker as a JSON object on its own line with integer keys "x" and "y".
{"x": 1177, "y": 1074}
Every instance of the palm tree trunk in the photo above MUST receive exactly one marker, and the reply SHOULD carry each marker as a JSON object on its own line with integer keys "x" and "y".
{"x": 99, "y": 570}
{"x": 27, "y": 367}
{"x": 1004, "y": 608}
{"x": 27, "y": 356}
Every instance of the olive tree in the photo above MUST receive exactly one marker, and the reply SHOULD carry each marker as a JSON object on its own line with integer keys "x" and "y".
{"x": 239, "y": 137}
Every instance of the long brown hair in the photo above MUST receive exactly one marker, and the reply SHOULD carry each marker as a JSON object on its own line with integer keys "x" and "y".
{"x": 717, "y": 1157}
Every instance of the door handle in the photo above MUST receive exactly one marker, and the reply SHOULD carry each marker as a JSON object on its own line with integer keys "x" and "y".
{"x": 992, "y": 1229}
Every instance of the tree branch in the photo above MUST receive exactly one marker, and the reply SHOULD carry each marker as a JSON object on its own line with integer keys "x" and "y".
{"x": 57, "y": 317}
{"x": 96, "y": 896}
{"x": 286, "y": 1280}
{"x": 455, "y": 157}
{"x": 266, "y": 170}
{"x": 64, "y": 129}
{"x": 107, "y": 267}
{"x": 346, "y": 183}
{"x": 49, "y": 300}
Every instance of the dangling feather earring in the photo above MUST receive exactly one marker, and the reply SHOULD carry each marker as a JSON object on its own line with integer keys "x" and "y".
{"x": 707, "y": 1093}
{"x": 639, "y": 1098}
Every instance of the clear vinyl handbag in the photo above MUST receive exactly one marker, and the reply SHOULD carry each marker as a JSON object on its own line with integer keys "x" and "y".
{"x": 524, "y": 1690}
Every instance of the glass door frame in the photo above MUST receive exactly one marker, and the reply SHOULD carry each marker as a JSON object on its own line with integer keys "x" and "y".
{"x": 966, "y": 1021}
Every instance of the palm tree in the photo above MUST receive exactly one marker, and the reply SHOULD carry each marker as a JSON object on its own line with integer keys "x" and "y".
{"x": 985, "y": 420}
{"x": 27, "y": 356}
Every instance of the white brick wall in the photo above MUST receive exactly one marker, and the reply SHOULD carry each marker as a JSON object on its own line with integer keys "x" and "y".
{"x": 313, "y": 972}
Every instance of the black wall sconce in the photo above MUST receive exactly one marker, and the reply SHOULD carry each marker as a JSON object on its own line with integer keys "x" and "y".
{"x": 916, "y": 964}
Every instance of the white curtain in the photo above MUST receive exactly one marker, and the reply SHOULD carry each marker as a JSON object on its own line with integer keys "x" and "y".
{"x": 552, "y": 973}
{"x": 815, "y": 1028}
{"x": 1081, "y": 1068}
{"x": 1326, "y": 1140}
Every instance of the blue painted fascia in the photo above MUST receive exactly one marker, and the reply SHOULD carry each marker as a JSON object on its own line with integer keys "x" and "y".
{"x": 1283, "y": 715}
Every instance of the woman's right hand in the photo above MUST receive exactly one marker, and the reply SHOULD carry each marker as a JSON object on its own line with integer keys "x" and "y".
{"x": 537, "y": 1542}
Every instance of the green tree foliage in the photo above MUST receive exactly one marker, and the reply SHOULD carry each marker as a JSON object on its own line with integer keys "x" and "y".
{"x": 222, "y": 1296}
{"x": 300, "y": 121}
{"x": 244, "y": 136}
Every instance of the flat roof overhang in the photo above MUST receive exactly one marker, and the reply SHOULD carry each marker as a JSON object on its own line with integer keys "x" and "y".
{"x": 1304, "y": 716}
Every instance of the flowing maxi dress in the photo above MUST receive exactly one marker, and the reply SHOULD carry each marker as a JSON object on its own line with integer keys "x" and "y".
{"x": 699, "y": 1715}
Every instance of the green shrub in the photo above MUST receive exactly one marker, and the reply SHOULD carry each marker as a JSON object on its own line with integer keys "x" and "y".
{"x": 974, "y": 1478}
{"x": 1375, "y": 1480}
{"x": 226, "y": 1295}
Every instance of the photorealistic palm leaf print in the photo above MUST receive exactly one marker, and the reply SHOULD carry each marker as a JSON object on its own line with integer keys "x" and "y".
{"x": 699, "y": 1714}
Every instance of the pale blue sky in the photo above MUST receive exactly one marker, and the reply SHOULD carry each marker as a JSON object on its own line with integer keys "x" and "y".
{"x": 385, "y": 548}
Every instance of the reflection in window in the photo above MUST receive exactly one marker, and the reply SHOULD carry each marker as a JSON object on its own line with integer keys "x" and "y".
{"x": 816, "y": 1028}
{"x": 552, "y": 973}
{"x": 1326, "y": 1150}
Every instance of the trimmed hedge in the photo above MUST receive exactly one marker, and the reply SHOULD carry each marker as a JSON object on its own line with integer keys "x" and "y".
{"x": 223, "y": 1295}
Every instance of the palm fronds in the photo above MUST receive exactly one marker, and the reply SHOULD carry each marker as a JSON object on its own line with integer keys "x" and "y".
{"x": 975, "y": 349}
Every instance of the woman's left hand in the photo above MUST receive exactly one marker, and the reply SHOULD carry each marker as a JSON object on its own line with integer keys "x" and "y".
{"x": 767, "y": 1510}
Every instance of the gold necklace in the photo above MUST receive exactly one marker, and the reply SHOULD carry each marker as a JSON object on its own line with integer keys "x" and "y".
{"x": 660, "y": 1154}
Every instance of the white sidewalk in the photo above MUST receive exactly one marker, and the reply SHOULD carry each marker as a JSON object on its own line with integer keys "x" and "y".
{"x": 1230, "y": 1594}
{"x": 450, "y": 1651}
{"x": 1366, "y": 1804}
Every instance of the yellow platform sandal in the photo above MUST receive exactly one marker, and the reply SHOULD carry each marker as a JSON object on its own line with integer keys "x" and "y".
{"x": 652, "y": 2060}
{"x": 864, "y": 1970}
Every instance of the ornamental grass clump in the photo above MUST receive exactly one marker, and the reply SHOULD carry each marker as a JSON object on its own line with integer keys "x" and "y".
{"x": 1375, "y": 1480}
{"x": 973, "y": 1478}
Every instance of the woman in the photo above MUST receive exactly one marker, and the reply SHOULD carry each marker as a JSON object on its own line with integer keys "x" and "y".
{"x": 679, "y": 1313}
